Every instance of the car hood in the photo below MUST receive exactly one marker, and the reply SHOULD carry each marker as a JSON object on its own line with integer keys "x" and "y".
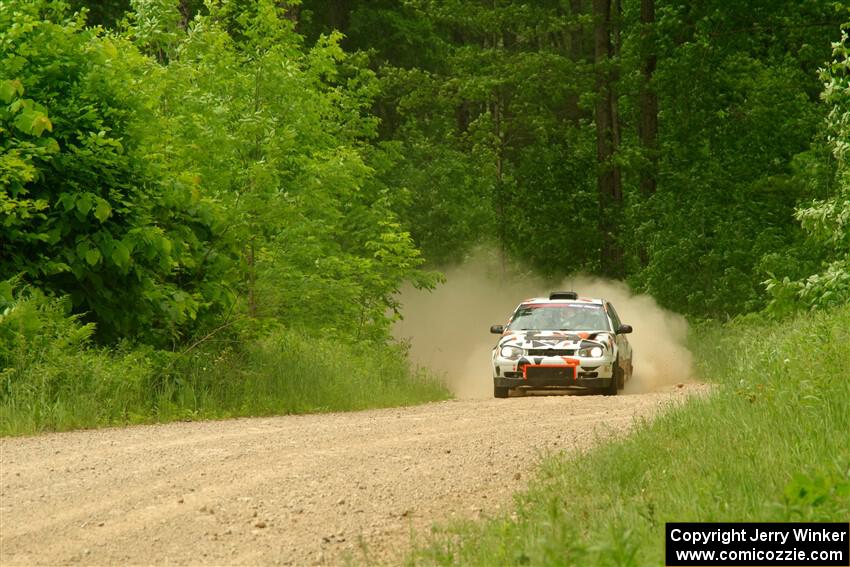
{"x": 552, "y": 339}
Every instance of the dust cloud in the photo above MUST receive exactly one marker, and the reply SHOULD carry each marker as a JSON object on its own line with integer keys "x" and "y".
{"x": 448, "y": 328}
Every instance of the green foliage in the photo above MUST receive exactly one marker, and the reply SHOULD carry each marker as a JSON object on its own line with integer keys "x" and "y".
{"x": 478, "y": 123}
{"x": 735, "y": 111}
{"x": 407, "y": 35}
{"x": 768, "y": 443}
{"x": 492, "y": 130}
{"x": 51, "y": 376}
{"x": 135, "y": 183}
{"x": 83, "y": 214}
{"x": 175, "y": 180}
{"x": 279, "y": 134}
{"x": 155, "y": 25}
{"x": 827, "y": 221}
{"x": 101, "y": 12}
{"x": 53, "y": 379}
{"x": 286, "y": 372}
{"x": 32, "y": 324}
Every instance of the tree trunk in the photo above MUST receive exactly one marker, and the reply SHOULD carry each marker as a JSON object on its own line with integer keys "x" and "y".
{"x": 614, "y": 79}
{"x": 497, "y": 110}
{"x": 185, "y": 14}
{"x": 576, "y": 52}
{"x": 607, "y": 134}
{"x": 648, "y": 128}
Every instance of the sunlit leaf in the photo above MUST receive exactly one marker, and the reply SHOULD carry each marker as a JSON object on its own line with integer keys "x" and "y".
{"x": 102, "y": 210}
{"x": 84, "y": 203}
{"x": 93, "y": 256}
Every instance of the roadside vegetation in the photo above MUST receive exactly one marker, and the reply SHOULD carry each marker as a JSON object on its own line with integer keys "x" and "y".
{"x": 768, "y": 444}
{"x": 191, "y": 225}
{"x": 55, "y": 379}
{"x": 205, "y": 204}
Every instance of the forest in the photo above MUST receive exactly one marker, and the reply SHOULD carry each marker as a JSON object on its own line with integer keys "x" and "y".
{"x": 197, "y": 199}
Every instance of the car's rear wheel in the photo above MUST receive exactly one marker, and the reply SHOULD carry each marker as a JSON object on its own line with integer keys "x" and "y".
{"x": 500, "y": 392}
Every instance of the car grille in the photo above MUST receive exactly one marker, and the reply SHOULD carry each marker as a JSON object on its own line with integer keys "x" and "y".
{"x": 549, "y": 375}
{"x": 551, "y": 352}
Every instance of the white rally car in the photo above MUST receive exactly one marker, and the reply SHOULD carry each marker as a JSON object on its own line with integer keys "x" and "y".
{"x": 562, "y": 342}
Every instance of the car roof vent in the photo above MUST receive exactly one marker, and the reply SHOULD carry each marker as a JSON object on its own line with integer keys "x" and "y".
{"x": 563, "y": 295}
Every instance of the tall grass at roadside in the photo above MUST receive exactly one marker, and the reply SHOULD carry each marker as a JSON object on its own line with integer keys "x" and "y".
{"x": 52, "y": 379}
{"x": 771, "y": 443}
{"x": 287, "y": 372}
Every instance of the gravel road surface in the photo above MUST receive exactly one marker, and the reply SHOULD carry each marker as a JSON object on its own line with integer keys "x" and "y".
{"x": 292, "y": 490}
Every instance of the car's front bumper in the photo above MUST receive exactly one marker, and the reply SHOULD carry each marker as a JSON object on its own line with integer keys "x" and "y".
{"x": 546, "y": 383}
{"x": 585, "y": 367}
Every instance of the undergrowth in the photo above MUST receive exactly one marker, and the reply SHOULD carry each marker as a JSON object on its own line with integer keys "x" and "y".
{"x": 52, "y": 378}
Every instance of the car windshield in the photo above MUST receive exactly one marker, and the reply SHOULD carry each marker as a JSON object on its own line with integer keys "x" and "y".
{"x": 559, "y": 317}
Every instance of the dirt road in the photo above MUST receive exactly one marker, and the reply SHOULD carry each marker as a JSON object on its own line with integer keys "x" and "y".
{"x": 290, "y": 490}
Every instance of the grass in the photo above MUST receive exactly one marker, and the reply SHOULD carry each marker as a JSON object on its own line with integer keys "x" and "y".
{"x": 772, "y": 443}
{"x": 57, "y": 388}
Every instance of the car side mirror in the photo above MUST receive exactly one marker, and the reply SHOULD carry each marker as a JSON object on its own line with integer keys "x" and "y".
{"x": 624, "y": 330}
{"x": 497, "y": 329}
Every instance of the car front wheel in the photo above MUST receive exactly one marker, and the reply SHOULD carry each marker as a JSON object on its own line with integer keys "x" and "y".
{"x": 500, "y": 392}
{"x": 617, "y": 378}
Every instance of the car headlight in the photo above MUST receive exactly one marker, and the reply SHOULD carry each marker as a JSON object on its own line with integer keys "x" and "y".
{"x": 594, "y": 352}
{"x": 511, "y": 352}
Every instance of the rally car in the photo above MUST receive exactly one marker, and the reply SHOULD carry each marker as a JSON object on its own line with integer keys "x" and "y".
{"x": 563, "y": 342}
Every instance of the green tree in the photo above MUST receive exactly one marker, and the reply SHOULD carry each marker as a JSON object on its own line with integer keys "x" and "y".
{"x": 83, "y": 213}
{"x": 738, "y": 101}
{"x": 481, "y": 132}
{"x": 563, "y": 133}
{"x": 280, "y": 134}
{"x": 827, "y": 220}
